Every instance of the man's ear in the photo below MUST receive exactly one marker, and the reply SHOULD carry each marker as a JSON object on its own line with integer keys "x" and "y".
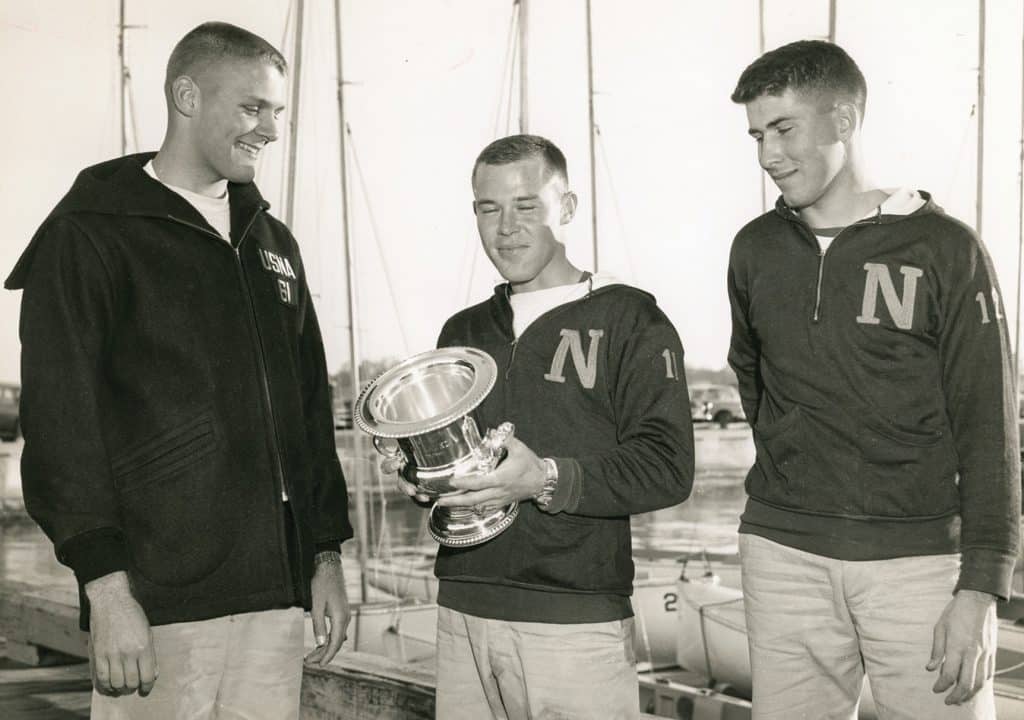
{"x": 569, "y": 201}
{"x": 847, "y": 120}
{"x": 185, "y": 95}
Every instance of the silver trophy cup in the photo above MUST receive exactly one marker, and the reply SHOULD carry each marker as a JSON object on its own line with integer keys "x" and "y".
{"x": 418, "y": 413}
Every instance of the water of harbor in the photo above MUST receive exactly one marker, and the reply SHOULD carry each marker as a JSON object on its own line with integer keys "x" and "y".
{"x": 705, "y": 522}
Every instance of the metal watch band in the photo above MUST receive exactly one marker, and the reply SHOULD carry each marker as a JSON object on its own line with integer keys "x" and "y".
{"x": 547, "y": 491}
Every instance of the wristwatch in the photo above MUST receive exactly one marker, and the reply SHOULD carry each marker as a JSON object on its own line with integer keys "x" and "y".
{"x": 547, "y": 491}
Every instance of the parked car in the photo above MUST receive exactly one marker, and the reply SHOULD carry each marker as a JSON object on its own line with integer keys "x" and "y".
{"x": 715, "y": 403}
{"x": 9, "y": 397}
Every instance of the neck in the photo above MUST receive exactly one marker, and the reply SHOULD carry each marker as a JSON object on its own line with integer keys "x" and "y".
{"x": 849, "y": 197}
{"x": 176, "y": 165}
{"x": 557, "y": 273}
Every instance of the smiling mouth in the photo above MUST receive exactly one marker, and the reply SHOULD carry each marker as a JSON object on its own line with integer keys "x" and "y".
{"x": 782, "y": 176}
{"x": 252, "y": 151}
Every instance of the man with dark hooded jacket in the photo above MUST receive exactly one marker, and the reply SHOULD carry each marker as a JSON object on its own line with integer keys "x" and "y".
{"x": 179, "y": 446}
{"x": 873, "y": 362}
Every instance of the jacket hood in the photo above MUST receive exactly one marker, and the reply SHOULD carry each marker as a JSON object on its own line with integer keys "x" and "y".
{"x": 121, "y": 187}
{"x": 901, "y": 204}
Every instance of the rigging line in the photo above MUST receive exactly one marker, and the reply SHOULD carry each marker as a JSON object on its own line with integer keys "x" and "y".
{"x": 960, "y": 152}
{"x": 615, "y": 201}
{"x": 285, "y": 48}
{"x": 507, "y": 71}
{"x": 1020, "y": 221}
{"x": 511, "y": 87}
{"x": 376, "y": 237}
{"x": 130, "y": 92}
{"x": 506, "y": 66}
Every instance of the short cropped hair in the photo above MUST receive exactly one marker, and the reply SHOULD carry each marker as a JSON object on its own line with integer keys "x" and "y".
{"x": 213, "y": 42}
{"x": 807, "y": 65}
{"x": 520, "y": 147}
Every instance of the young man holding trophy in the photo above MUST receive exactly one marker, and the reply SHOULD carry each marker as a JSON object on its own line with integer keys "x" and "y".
{"x": 536, "y": 620}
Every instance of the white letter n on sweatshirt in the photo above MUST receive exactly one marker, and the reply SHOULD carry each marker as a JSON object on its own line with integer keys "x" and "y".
{"x": 586, "y": 368}
{"x": 901, "y": 309}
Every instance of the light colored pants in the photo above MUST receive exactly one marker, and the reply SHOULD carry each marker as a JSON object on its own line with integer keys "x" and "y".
{"x": 229, "y": 668}
{"x": 815, "y": 625}
{"x": 541, "y": 671}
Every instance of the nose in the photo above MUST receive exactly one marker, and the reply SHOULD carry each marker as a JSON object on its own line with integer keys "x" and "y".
{"x": 769, "y": 153}
{"x": 269, "y": 125}
{"x": 507, "y": 224}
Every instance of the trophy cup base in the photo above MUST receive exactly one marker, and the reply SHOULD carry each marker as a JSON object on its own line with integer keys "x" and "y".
{"x": 465, "y": 527}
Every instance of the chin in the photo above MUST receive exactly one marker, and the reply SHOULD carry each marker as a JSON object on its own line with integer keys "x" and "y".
{"x": 244, "y": 176}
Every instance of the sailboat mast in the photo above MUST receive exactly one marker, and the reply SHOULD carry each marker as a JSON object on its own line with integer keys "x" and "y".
{"x": 981, "y": 117}
{"x": 590, "y": 128}
{"x": 524, "y": 35}
{"x": 362, "y": 516}
{"x": 293, "y": 112}
{"x": 123, "y": 79}
{"x": 1020, "y": 217}
{"x": 760, "y": 51}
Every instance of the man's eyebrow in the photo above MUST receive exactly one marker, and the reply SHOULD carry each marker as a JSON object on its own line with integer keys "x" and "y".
{"x": 522, "y": 198}
{"x": 769, "y": 125}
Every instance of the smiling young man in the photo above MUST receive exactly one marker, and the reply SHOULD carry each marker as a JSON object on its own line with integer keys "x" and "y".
{"x": 872, "y": 355}
{"x": 179, "y": 443}
{"x": 537, "y": 621}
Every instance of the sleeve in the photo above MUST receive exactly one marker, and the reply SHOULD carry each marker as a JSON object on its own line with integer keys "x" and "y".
{"x": 652, "y": 466}
{"x": 331, "y": 525}
{"x": 67, "y": 316}
{"x": 744, "y": 348}
{"x": 978, "y": 381}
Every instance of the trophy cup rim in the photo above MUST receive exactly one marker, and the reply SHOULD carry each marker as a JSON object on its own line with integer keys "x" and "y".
{"x": 485, "y": 373}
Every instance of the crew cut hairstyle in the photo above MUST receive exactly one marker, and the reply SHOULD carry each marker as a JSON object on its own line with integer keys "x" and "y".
{"x": 813, "y": 66}
{"x": 213, "y": 42}
{"x": 519, "y": 147}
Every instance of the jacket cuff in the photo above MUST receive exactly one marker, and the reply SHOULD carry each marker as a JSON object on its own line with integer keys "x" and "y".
{"x": 95, "y": 554}
{"x": 328, "y": 546}
{"x": 986, "y": 570}
{"x": 569, "y": 487}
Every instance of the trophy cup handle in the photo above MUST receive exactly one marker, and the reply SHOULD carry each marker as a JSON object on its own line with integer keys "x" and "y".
{"x": 392, "y": 457}
{"x": 492, "y": 448}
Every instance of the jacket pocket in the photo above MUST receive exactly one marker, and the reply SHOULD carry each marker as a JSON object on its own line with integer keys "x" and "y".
{"x": 174, "y": 505}
{"x": 906, "y": 473}
{"x": 781, "y": 458}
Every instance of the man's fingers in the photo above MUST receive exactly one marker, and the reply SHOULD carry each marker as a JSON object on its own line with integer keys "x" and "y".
{"x": 147, "y": 670}
{"x": 117, "y": 681}
{"x": 948, "y": 673}
{"x": 965, "y": 684}
{"x": 489, "y": 497}
{"x": 131, "y": 673}
{"x": 101, "y": 674}
{"x": 334, "y": 644}
{"x": 938, "y": 646}
{"x": 319, "y": 626}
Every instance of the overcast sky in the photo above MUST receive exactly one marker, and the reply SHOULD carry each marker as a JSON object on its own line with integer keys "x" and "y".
{"x": 424, "y": 91}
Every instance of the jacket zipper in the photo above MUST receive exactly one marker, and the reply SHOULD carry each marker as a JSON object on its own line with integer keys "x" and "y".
{"x": 821, "y": 259}
{"x": 511, "y": 358}
{"x": 275, "y": 444}
{"x": 821, "y": 270}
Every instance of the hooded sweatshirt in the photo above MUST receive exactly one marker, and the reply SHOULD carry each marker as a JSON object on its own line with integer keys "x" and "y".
{"x": 173, "y": 387}
{"x": 876, "y": 375}
{"x": 597, "y": 384}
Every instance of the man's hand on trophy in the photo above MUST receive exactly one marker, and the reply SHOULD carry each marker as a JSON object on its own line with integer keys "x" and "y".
{"x": 520, "y": 476}
{"x": 395, "y": 463}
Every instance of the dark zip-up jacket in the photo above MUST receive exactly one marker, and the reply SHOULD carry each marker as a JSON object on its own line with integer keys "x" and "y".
{"x": 598, "y": 385}
{"x": 878, "y": 381}
{"x": 173, "y": 385}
